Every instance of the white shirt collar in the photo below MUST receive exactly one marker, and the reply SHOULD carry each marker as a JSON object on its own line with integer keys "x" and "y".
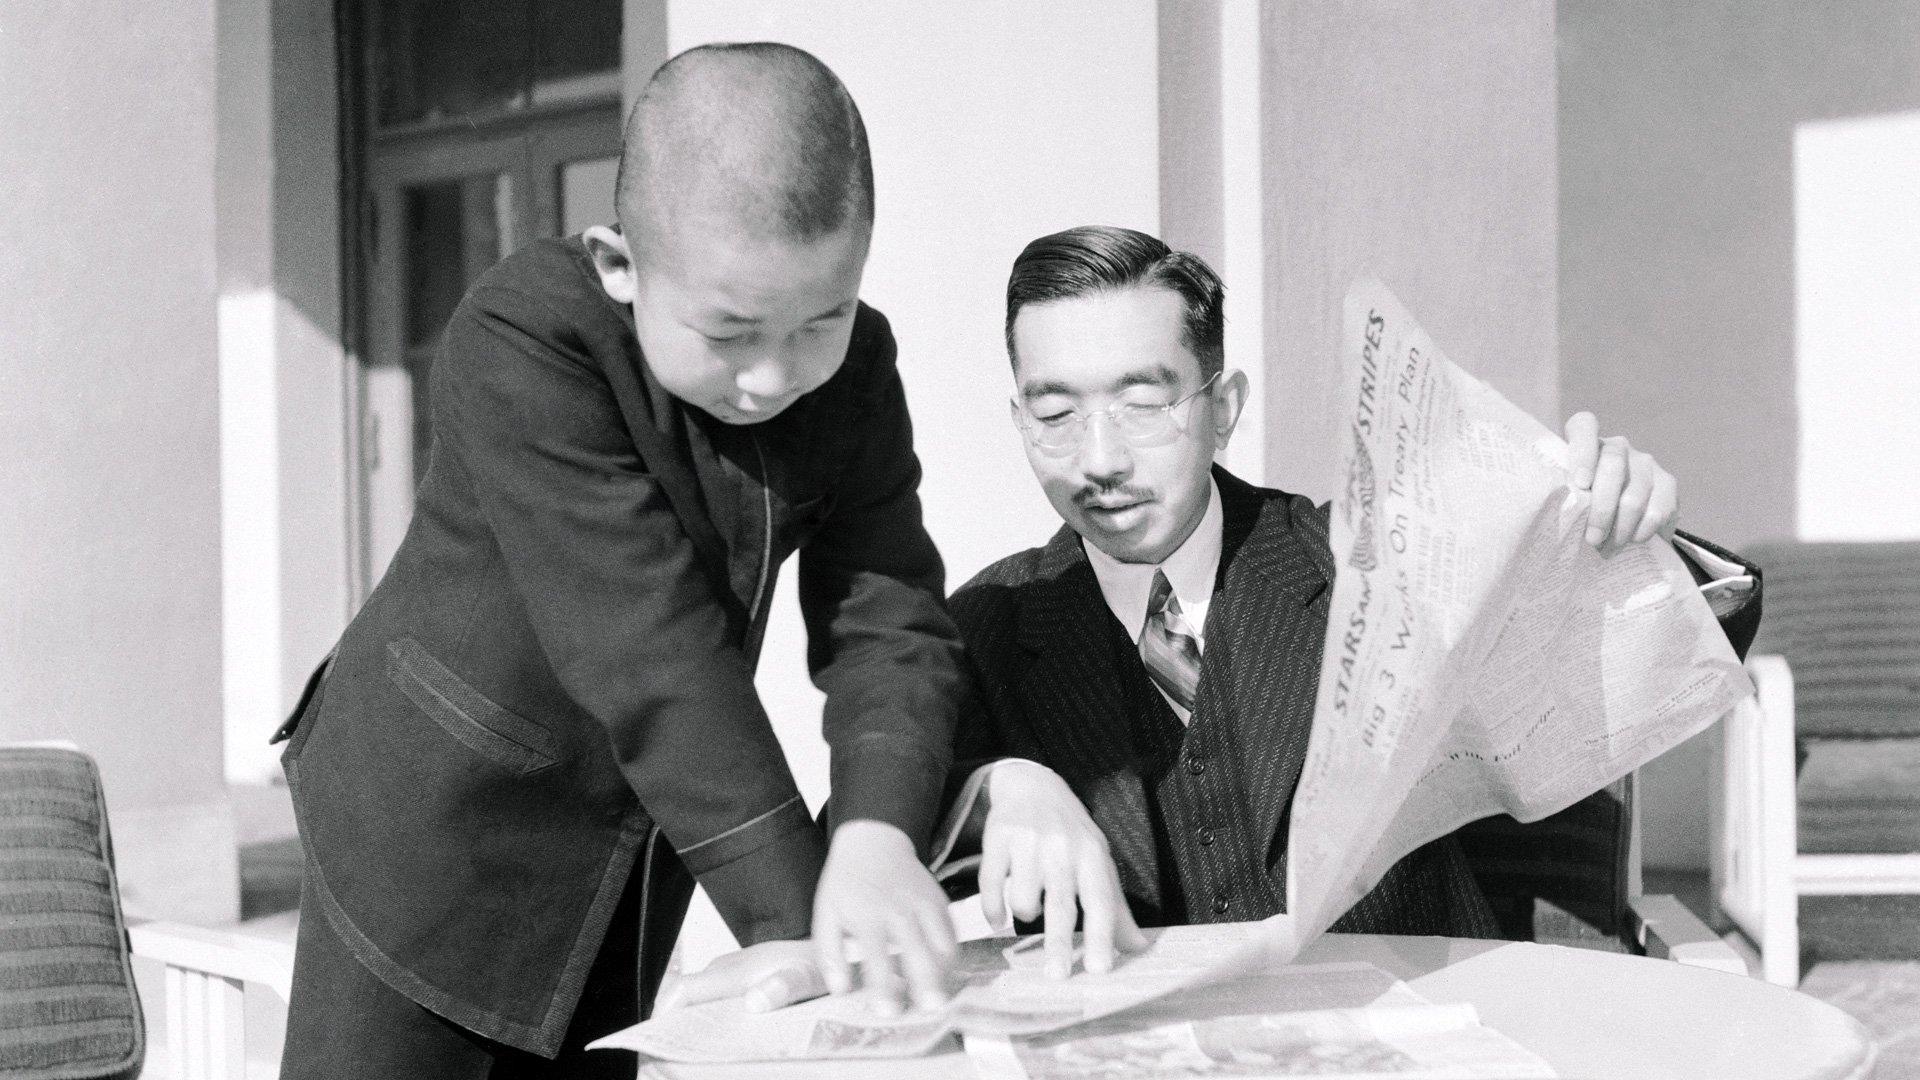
{"x": 1191, "y": 570}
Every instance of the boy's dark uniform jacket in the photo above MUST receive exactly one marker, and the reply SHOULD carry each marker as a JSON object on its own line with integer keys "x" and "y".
{"x": 1196, "y": 816}
{"x": 555, "y": 677}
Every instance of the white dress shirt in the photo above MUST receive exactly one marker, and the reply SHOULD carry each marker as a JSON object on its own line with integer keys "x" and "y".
{"x": 1191, "y": 570}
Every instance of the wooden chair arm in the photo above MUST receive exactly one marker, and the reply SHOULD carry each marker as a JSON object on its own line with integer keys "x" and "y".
{"x": 1753, "y": 832}
{"x": 218, "y": 953}
{"x": 206, "y": 974}
{"x": 1662, "y": 927}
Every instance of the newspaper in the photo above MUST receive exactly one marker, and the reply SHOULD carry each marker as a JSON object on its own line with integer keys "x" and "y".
{"x": 1004, "y": 991}
{"x": 1347, "y": 1019}
{"x": 1350, "y": 1020}
{"x": 1480, "y": 658}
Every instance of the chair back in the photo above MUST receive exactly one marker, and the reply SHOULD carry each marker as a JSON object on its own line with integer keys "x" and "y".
{"x": 1847, "y": 618}
{"x": 1582, "y": 863}
{"x": 68, "y": 1008}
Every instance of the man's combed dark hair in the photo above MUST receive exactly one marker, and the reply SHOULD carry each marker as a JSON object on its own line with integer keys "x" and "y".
{"x": 1098, "y": 258}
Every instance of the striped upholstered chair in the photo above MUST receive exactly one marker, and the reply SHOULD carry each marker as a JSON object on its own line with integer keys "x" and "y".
{"x": 68, "y": 1007}
{"x": 1837, "y": 666}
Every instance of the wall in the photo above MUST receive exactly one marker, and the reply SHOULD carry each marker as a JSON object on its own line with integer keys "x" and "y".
{"x": 1857, "y": 314}
{"x": 1212, "y": 200}
{"x": 1677, "y": 255}
{"x": 990, "y": 125}
{"x": 110, "y": 541}
{"x": 1414, "y": 143}
{"x": 283, "y": 372}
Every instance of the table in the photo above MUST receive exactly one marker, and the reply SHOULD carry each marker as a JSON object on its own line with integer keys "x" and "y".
{"x": 1590, "y": 1014}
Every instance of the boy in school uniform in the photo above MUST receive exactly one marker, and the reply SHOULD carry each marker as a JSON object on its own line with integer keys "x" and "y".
{"x": 542, "y": 729}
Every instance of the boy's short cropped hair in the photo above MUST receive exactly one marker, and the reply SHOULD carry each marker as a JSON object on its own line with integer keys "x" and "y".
{"x": 761, "y": 133}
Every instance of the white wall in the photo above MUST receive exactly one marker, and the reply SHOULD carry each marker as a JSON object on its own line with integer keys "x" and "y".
{"x": 1677, "y": 260}
{"x": 110, "y": 579}
{"x": 1414, "y": 143}
{"x": 1856, "y": 269}
{"x": 991, "y": 124}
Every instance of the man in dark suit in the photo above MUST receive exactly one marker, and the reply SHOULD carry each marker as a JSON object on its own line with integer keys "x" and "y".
{"x": 1152, "y": 670}
{"x": 542, "y": 727}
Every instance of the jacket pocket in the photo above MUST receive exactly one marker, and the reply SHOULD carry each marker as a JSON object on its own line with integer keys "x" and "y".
{"x": 503, "y": 737}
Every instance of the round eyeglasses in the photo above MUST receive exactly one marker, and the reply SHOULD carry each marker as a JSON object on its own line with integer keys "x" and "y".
{"x": 1142, "y": 426}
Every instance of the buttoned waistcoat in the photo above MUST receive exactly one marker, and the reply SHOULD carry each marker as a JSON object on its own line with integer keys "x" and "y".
{"x": 1196, "y": 818}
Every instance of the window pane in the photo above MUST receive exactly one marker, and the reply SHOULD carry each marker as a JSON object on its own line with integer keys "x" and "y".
{"x": 576, "y": 48}
{"x": 454, "y": 231}
{"x": 447, "y": 59}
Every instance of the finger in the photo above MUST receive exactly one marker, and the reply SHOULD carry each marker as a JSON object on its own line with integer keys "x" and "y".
{"x": 878, "y": 980}
{"x": 830, "y": 951}
{"x": 1128, "y": 934}
{"x": 1633, "y": 498}
{"x": 718, "y": 980}
{"x": 937, "y": 924}
{"x": 1024, "y": 882}
{"x": 992, "y": 878}
{"x": 1609, "y": 478}
{"x": 1662, "y": 506}
{"x": 787, "y": 986}
{"x": 926, "y": 974}
{"x": 1098, "y": 914}
{"x": 1583, "y": 449}
{"x": 1061, "y": 910}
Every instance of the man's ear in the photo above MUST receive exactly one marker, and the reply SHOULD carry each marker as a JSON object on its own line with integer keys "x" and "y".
{"x": 1229, "y": 397}
{"x": 614, "y": 261}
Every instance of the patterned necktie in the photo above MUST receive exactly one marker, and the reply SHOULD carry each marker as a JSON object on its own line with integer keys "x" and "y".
{"x": 1168, "y": 647}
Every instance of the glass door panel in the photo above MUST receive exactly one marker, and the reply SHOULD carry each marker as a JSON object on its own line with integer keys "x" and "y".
{"x": 446, "y": 207}
{"x": 435, "y": 237}
{"x": 455, "y": 230}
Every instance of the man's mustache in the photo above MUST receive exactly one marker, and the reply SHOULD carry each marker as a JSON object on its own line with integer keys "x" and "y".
{"x": 1090, "y": 497}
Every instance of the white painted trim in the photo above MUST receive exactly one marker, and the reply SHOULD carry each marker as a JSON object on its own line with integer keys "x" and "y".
{"x": 1857, "y": 875}
{"x": 250, "y": 598}
{"x": 1754, "y": 831}
{"x": 1243, "y": 231}
{"x": 386, "y": 443}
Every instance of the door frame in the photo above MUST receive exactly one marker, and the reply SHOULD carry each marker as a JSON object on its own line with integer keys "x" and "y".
{"x": 531, "y": 145}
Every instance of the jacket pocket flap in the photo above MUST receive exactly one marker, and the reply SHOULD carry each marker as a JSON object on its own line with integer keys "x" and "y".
{"x": 486, "y": 728}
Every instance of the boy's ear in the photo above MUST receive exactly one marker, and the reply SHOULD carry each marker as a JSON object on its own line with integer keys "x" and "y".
{"x": 614, "y": 261}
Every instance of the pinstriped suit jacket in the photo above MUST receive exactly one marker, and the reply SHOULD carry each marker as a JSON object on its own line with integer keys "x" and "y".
{"x": 1037, "y": 632}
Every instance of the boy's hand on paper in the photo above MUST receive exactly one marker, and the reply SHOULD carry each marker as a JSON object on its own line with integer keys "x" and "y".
{"x": 875, "y": 893}
{"x": 767, "y": 976}
{"x": 1041, "y": 851}
{"x": 1632, "y": 496}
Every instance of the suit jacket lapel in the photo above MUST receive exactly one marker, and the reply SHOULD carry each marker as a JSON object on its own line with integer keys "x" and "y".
{"x": 1073, "y": 699}
{"x": 1270, "y": 624}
